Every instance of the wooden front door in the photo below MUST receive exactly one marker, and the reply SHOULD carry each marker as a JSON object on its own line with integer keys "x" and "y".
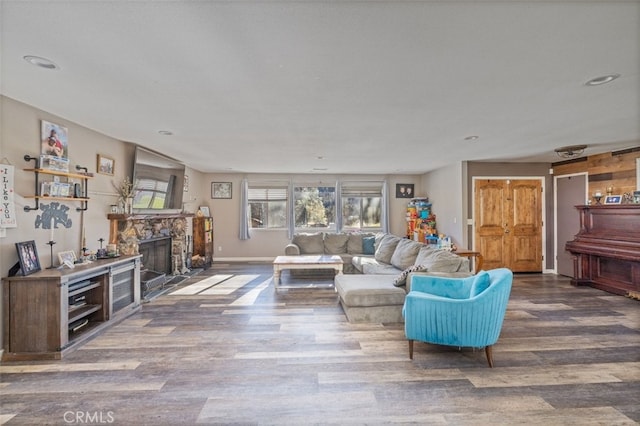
{"x": 508, "y": 223}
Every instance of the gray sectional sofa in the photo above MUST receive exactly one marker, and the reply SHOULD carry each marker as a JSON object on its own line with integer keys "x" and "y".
{"x": 376, "y": 277}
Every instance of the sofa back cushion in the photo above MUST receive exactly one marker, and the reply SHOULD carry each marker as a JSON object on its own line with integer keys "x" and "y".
{"x": 335, "y": 243}
{"x": 385, "y": 248}
{"x": 309, "y": 243}
{"x": 355, "y": 245}
{"x": 444, "y": 261}
{"x": 405, "y": 253}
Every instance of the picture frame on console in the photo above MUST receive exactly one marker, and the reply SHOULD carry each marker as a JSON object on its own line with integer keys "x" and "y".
{"x": 67, "y": 256}
{"x": 221, "y": 190}
{"x": 205, "y": 211}
{"x": 28, "y": 257}
{"x": 613, "y": 199}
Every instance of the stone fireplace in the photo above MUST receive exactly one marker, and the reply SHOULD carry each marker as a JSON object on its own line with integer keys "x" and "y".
{"x": 129, "y": 231}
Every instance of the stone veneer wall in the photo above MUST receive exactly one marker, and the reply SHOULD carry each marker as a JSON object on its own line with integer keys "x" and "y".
{"x": 132, "y": 230}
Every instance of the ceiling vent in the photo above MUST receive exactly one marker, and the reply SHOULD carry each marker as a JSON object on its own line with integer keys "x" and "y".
{"x": 572, "y": 151}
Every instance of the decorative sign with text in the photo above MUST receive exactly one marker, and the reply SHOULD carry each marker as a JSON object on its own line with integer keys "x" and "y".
{"x": 7, "y": 203}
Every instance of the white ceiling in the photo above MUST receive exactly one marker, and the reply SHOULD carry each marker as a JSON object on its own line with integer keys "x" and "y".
{"x": 346, "y": 86}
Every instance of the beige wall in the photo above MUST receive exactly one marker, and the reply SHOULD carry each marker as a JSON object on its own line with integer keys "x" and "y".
{"x": 19, "y": 136}
{"x": 266, "y": 244}
{"x": 447, "y": 192}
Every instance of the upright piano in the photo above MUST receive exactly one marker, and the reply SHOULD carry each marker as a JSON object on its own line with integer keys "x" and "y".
{"x": 607, "y": 249}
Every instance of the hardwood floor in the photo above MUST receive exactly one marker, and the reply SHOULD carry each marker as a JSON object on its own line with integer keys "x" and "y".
{"x": 240, "y": 353}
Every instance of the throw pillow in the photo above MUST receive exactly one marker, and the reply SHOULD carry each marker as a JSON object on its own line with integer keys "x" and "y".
{"x": 354, "y": 245}
{"x": 402, "y": 278}
{"x": 480, "y": 283}
{"x": 368, "y": 245}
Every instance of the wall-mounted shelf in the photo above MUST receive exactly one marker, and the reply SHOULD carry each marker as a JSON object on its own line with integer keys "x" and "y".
{"x": 82, "y": 198}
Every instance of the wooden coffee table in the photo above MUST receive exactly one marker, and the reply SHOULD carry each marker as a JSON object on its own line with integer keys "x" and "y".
{"x": 305, "y": 262}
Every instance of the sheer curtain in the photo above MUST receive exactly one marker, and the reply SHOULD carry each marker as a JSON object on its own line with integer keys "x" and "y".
{"x": 291, "y": 226}
{"x": 244, "y": 212}
{"x": 385, "y": 206}
{"x": 338, "y": 211}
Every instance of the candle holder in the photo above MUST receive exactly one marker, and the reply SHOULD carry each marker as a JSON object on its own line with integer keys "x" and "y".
{"x": 597, "y": 196}
{"x": 609, "y": 190}
{"x": 51, "y": 244}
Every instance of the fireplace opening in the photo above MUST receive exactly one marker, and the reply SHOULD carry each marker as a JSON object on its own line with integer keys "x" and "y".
{"x": 156, "y": 264}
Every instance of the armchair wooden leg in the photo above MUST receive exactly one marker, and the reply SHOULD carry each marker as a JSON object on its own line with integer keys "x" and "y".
{"x": 410, "y": 349}
{"x": 489, "y": 353}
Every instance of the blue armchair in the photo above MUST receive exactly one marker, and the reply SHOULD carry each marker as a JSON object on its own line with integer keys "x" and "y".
{"x": 458, "y": 311}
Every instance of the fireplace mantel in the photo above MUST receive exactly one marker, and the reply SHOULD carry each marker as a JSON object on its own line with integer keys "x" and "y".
{"x": 146, "y": 216}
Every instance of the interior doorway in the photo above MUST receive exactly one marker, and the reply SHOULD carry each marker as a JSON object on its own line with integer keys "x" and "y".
{"x": 571, "y": 190}
{"x": 508, "y": 225}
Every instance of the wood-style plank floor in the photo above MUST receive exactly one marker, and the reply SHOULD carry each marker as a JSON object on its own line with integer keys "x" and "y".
{"x": 238, "y": 353}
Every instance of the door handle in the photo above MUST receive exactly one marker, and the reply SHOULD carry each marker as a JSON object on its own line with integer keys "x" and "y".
{"x": 506, "y": 231}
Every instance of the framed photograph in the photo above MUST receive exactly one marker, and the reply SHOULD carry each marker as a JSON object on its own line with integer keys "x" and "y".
{"x": 404, "y": 190}
{"x": 106, "y": 165}
{"x": 28, "y": 255}
{"x": 205, "y": 211}
{"x": 613, "y": 199}
{"x": 54, "y": 140}
{"x": 64, "y": 256}
{"x": 220, "y": 189}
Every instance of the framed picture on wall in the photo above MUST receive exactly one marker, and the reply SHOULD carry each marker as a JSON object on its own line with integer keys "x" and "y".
{"x": 404, "y": 190}
{"x": 106, "y": 165}
{"x": 220, "y": 189}
{"x": 28, "y": 257}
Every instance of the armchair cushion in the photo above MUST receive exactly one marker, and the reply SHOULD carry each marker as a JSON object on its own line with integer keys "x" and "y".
{"x": 480, "y": 283}
{"x": 451, "y": 288}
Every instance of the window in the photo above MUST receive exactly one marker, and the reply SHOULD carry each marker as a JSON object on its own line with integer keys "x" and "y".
{"x": 315, "y": 207}
{"x": 362, "y": 206}
{"x": 267, "y": 207}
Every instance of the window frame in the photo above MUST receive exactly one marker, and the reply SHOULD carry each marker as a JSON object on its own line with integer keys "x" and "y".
{"x": 277, "y": 188}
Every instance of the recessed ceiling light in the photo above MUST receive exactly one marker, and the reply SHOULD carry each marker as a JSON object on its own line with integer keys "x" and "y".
{"x": 471, "y": 138}
{"x": 165, "y": 132}
{"x": 41, "y": 62}
{"x": 602, "y": 80}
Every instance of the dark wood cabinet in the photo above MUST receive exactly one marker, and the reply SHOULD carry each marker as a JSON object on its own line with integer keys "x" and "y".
{"x": 51, "y": 311}
{"x": 607, "y": 248}
{"x": 202, "y": 241}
